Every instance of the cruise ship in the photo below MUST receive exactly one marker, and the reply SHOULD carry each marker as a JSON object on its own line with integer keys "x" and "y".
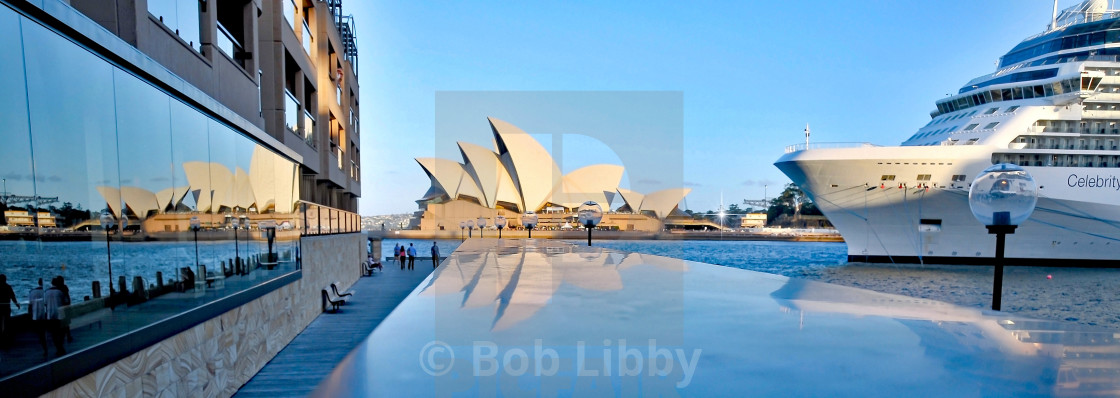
{"x": 1052, "y": 106}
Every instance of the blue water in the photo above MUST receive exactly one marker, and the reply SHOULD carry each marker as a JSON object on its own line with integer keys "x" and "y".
{"x": 782, "y": 258}
{"x": 81, "y": 263}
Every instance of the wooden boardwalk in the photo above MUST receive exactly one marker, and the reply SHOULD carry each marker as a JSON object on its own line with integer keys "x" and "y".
{"x": 315, "y": 352}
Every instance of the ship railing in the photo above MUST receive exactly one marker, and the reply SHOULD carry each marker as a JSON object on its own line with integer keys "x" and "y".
{"x": 828, "y": 145}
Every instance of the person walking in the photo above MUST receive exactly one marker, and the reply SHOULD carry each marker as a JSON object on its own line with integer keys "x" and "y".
{"x": 35, "y": 308}
{"x": 397, "y": 253}
{"x": 53, "y": 300}
{"x": 400, "y": 256}
{"x": 411, "y": 255}
{"x": 7, "y": 297}
{"x": 66, "y": 298}
{"x": 435, "y": 255}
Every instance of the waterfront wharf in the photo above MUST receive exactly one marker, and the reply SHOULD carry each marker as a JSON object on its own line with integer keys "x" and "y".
{"x": 315, "y": 352}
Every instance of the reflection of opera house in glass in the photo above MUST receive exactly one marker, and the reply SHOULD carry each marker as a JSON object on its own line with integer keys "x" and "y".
{"x": 520, "y": 175}
{"x": 269, "y": 190}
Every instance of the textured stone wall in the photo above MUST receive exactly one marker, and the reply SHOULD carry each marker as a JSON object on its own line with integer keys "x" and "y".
{"x": 216, "y": 357}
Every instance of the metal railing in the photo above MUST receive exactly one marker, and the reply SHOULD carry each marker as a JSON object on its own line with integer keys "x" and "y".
{"x": 828, "y": 145}
{"x": 325, "y": 220}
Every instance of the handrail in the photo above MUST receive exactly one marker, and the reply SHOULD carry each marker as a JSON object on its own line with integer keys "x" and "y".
{"x": 323, "y": 220}
{"x": 828, "y": 145}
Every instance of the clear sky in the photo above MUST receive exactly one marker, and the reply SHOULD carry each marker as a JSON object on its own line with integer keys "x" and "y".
{"x": 752, "y": 74}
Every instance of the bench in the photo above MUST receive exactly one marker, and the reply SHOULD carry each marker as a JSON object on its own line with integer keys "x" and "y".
{"x": 344, "y": 294}
{"x": 368, "y": 267}
{"x": 331, "y": 299}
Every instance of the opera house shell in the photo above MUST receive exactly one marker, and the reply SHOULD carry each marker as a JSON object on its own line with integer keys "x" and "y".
{"x": 270, "y": 186}
{"x": 519, "y": 175}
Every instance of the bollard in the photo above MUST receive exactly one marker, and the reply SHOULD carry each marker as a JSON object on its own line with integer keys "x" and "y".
{"x": 138, "y": 287}
{"x": 96, "y": 289}
{"x": 121, "y": 286}
{"x": 159, "y": 280}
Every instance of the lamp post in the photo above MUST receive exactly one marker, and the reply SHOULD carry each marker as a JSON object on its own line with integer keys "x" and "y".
{"x": 589, "y": 216}
{"x": 500, "y": 222}
{"x": 470, "y": 228}
{"x": 529, "y": 220}
{"x": 462, "y": 225}
{"x": 1001, "y": 197}
{"x": 235, "y": 223}
{"x": 268, "y": 231}
{"x": 481, "y": 224}
{"x": 106, "y": 224}
{"x": 196, "y": 225}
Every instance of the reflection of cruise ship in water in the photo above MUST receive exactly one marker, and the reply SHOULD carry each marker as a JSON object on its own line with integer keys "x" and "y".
{"x": 1052, "y": 106}
{"x": 1006, "y": 350}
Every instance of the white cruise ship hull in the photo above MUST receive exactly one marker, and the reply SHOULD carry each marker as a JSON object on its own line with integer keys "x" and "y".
{"x": 1076, "y": 221}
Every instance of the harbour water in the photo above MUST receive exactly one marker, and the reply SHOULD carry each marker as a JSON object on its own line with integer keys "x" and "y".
{"x": 80, "y": 263}
{"x": 782, "y": 258}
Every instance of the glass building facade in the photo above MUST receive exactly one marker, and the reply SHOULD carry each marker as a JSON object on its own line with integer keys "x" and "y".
{"x": 110, "y": 180}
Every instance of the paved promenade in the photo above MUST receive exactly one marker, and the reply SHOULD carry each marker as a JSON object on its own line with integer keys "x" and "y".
{"x": 315, "y": 352}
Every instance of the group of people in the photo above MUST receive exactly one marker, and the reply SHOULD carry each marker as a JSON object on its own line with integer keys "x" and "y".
{"x": 44, "y": 306}
{"x": 406, "y": 255}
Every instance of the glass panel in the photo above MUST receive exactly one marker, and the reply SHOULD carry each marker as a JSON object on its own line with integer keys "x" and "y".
{"x": 188, "y": 24}
{"x": 74, "y": 146}
{"x": 227, "y": 43}
{"x": 289, "y": 8}
{"x": 309, "y": 129}
{"x": 291, "y": 112}
{"x": 307, "y": 38}
{"x": 17, "y": 191}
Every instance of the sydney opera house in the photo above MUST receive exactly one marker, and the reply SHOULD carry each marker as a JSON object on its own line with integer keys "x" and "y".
{"x": 519, "y": 175}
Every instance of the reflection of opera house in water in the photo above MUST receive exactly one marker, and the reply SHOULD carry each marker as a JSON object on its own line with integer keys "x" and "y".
{"x": 754, "y": 333}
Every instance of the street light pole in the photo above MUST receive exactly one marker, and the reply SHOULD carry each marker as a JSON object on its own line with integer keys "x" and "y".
{"x": 1002, "y": 196}
{"x": 589, "y": 216}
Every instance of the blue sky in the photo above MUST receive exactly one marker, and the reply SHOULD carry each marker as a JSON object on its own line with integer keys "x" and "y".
{"x": 751, "y": 73}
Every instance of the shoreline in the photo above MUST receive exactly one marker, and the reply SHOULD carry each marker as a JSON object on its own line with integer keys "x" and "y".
{"x": 783, "y": 236}
{"x": 1083, "y": 295}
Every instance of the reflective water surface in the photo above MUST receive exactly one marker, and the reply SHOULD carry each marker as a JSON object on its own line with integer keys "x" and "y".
{"x": 547, "y": 318}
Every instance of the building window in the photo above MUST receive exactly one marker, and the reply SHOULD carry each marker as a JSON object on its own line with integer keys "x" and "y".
{"x": 181, "y": 17}
{"x": 887, "y": 177}
{"x": 290, "y": 13}
{"x": 1012, "y": 109}
{"x": 309, "y": 129}
{"x": 991, "y": 111}
{"x": 971, "y": 127}
{"x": 291, "y": 112}
{"x": 307, "y": 38}
{"x": 991, "y": 125}
{"x": 923, "y": 177}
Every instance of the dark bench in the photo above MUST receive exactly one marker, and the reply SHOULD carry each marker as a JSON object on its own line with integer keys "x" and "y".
{"x": 333, "y": 300}
{"x": 367, "y": 268}
{"x": 339, "y": 293}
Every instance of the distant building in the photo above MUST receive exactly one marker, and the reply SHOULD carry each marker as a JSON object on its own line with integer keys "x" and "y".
{"x": 752, "y": 220}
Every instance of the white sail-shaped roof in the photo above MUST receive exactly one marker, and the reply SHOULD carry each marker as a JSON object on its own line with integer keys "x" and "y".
{"x": 529, "y": 164}
{"x": 490, "y": 175}
{"x": 112, "y": 198}
{"x": 451, "y": 177}
{"x": 662, "y": 202}
{"x": 198, "y": 176}
{"x": 633, "y": 199}
{"x": 595, "y": 183}
{"x": 140, "y": 200}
